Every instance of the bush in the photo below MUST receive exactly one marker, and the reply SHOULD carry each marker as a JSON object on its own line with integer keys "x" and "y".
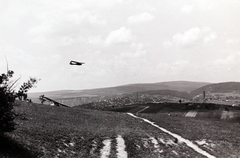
{"x": 7, "y": 101}
{"x": 22, "y": 92}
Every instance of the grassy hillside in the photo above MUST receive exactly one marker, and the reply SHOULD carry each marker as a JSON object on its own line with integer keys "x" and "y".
{"x": 218, "y": 88}
{"x": 45, "y": 131}
{"x": 168, "y": 92}
{"x": 183, "y": 86}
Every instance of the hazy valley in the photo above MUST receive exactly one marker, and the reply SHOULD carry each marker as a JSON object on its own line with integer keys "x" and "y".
{"x": 221, "y": 93}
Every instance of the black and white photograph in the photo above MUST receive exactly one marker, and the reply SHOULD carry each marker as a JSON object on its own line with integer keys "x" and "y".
{"x": 119, "y": 79}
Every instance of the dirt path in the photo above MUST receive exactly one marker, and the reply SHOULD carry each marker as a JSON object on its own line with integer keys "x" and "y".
{"x": 142, "y": 109}
{"x": 179, "y": 138}
{"x": 191, "y": 114}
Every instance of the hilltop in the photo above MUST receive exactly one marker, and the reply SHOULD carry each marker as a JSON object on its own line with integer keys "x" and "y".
{"x": 224, "y": 87}
{"x": 181, "y": 86}
{"x": 147, "y": 93}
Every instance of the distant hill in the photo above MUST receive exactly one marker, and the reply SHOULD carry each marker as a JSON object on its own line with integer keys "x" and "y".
{"x": 181, "y": 86}
{"x": 174, "y": 93}
{"x": 224, "y": 87}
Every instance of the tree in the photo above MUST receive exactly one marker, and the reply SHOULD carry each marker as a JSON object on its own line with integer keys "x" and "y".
{"x": 7, "y": 99}
{"x": 22, "y": 92}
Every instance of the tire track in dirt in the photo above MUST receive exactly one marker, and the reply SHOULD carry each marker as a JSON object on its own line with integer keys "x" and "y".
{"x": 147, "y": 146}
{"x": 121, "y": 153}
{"x": 180, "y": 139}
{"x": 105, "y": 151}
{"x": 109, "y": 148}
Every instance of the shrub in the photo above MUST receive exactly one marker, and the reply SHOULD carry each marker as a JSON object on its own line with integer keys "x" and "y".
{"x": 22, "y": 92}
{"x": 7, "y": 101}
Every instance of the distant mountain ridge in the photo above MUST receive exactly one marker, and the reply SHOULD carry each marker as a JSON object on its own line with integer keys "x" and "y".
{"x": 147, "y": 91}
{"x": 181, "y": 86}
{"x": 168, "y": 92}
{"x": 223, "y": 87}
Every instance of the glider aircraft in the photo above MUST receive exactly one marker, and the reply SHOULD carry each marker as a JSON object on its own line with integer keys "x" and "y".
{"x": 76, "y": 63}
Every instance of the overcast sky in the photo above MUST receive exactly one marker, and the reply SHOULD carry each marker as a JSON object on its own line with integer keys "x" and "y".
{"x": 120, "y": 41}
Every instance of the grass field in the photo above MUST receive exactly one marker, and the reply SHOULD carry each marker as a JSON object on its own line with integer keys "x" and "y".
{"x": 45, "y": 131}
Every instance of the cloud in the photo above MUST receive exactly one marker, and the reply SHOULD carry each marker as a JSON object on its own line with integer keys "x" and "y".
{"x": 210, "y": 37}
{"x": 96, "y": 40}
{"x": 188, "y": 37}
{"x": 66, "y": 41}
{"x": 122, "y": 35}
{"x": 231, "y": 59}
{"x": 140, "y": 18}
{"x": 180, "y": 67}
{"x": 146, "y": 7}
{"x": 137, "y": 51}
{"x": 167, "y": 44}
{"x": 226, "y": 67}
{"x": 94, "y": 19}
{"x": 40, "y": 29}
{"x": 187, "y": 8}
{"x": 55, "y": 25}
{"x": 181, "y": 63}
{"x": 192, "y": 37}
{"x": 79, "y": 17}
{"x": 93, "y": 4}
{"x": 232, "y": 41}
{"x": 20, "y": 61}
{"x": 177, "y": 69}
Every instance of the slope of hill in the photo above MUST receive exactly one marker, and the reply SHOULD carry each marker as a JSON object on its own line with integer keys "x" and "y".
{"x": 45, "y": 131}
{"x": 224, "y": 87}
{"x": 173, "y": 93}
{"x": 182, "y": 86}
